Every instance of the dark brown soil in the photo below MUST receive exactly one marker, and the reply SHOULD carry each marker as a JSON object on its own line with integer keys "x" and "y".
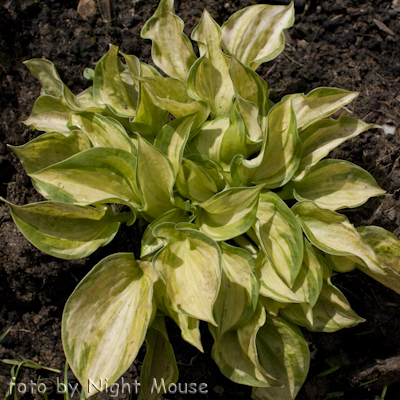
{"x": 354, "y": 45}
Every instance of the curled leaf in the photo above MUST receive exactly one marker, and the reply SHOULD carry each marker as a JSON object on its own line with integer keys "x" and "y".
{"x": 284, "y": 353}
{"x": 280, "y": 236}
{"x": 100, "y": 174}
{"x": 50, "y": 148}
{"x": 323, "y": 136}
{"x": 334, "y": 184}
{"x": 155, "y": 177}
{"x": 255, "y": 34}
{"x": 109, "y": 87}
{"x": 238, "y": 295}
{"x": 159, "y": 363}
{"x": 280, "y": 155}
{"x": 319, "y": 103}
{"x": 65, "y": 230}
{"x": 102, "y": 131}
{"x": 209, "y": 78}
{"x": 387, "y": 249}
{"x": 229, "y": 213}
{"x": 330, "y": 313}
{"x": 189, "y": 263}
{"x": 171, "y": 50}
{"x": 332, "y": 233}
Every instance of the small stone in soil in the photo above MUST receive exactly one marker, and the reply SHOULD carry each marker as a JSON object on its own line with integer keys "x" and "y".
{"x": 392, "y": 215}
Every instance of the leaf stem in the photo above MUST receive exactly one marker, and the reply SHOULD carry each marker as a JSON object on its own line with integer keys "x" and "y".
{"x": 253, "y": 236}
{"x": 247, "y": 245}
{"x": 123, "y": 217}
{"x": 286, "y": 193}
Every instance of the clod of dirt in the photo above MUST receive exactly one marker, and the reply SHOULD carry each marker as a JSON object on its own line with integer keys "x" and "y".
{"x": 384, "y": 372}
{"x": 87, "y": 9}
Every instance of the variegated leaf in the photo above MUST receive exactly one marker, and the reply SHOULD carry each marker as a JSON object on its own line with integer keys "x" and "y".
{"x": 64, "y": 230}
{"x": 159, "y": 364}
{"x": 334, "y": 234}
{"x": 135, "y": 68}
{"x": 318, "y": 104}
{"x": 387, "y": 250}
{"x": 255, "y": 34}
{"x": 280, "y": 236}
{"x": 194, "y": 183}
{"x": 283, "y": 352}
{"x": 234, "y": 363}
{"x": 249, "y": 113}
{"x": 282, "y": 151}
{"x": 199, "y": 178}
{"x": 49, "y": 114}
{"x": 150, "y": 114}
{"x": 247, "y": 336}
{"x": 209, "y": 139}
{"x": 155, "y": 179}
{"x": 221, "y": 139}
{"x": 109, "y": 87}
{"x": 150, "y": 243}
{"x": 190, "y": 265}
{"x": 330, "y": 313}
{"x": 229, "y": 213}
{"x": 238, "y": 295}
{"x": 251, "y": 91}
{"x": 271, "y": 306}
{"x": 106, "y": 318}
{"x": 308, "y": 284}
{"x": 272, "y": 285}
{"x": 234, "y": 140}
{"x": 171, "y": 50}
{"x": 334, "y": 184}
{"x": 172, "y": 95}
{"x": 100, "y": 174}
{"x": 306, "y": 287}
{"x": 209, "y": 78}
{"x": 211, "y": 167}
{"x": 148, "y": 70}
{"x": 50, "y": 148}
{"x": 45, "y": 72}
{"x": 172, "y": 138}
{"x": 280, "y": 154}
{"x": 84, "y": 102}
{"x": 190, "y": 327}
{"x": 323, "y": 136}
{"x": 102, "y": 131}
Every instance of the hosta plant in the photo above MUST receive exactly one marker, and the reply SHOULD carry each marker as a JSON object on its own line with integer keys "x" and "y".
{"x": 243, "y": 211}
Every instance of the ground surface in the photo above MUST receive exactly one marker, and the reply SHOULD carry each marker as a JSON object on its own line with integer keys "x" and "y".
{"x": 354, "y": 45}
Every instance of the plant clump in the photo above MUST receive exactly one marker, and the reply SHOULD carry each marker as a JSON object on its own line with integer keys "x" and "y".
{"x": 242, "y": 208}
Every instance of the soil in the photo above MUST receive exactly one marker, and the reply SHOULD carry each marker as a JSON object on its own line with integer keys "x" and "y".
{"x": 353, "y": 45}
